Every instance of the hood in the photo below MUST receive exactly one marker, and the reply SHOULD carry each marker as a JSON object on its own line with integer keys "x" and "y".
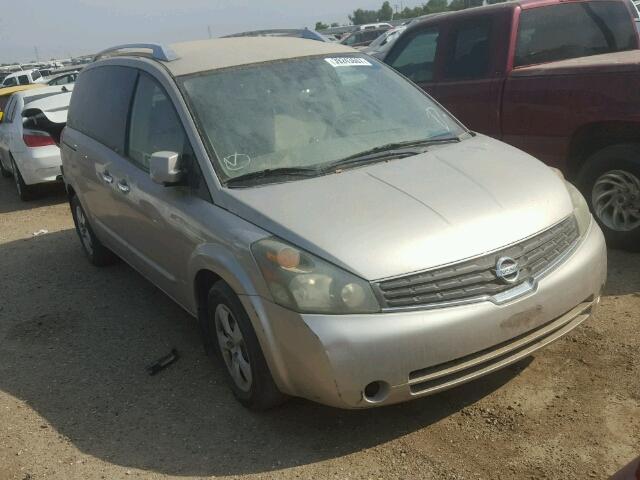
{"x": 393, "y": 218}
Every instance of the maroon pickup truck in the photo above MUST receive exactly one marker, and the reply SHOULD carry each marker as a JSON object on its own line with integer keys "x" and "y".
{"x": 557, "y": 79}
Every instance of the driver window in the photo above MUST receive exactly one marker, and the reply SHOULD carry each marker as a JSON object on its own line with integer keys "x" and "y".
{"x": 155, "y": 125}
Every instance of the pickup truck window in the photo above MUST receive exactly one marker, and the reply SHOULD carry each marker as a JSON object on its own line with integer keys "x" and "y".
{"x": 570, "y": 30}
{"x": 469, "y": 59}
{"x": 418, "y": 56}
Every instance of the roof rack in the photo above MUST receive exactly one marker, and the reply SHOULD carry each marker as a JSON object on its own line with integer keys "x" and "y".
{"x": 281, "y": 32}
{"x": 158, "y": 51}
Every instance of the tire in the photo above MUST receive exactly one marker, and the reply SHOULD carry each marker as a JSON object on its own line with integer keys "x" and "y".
{"x": 96, "y": 252}
{"x": 25, "y": 192}
{"x": 237, "y": 346}
{"x": 610, "y": 182}
{"x": 3, "y": 171}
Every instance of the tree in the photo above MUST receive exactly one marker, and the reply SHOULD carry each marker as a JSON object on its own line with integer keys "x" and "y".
{"x": 360, "y": 16}
{"x": 386, "y": 12}
{"x": 335, "y": 24}
{"x": 321, "y": 26}
{"x": 436, "y": 6}
{"x": 457, "y": 5}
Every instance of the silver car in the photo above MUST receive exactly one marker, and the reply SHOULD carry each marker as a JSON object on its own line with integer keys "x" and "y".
{"x": 338, "y": 235}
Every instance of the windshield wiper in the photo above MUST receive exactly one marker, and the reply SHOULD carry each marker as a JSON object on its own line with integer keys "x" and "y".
{"x": 393, "y": 150}
{"x": 272, "y": 173}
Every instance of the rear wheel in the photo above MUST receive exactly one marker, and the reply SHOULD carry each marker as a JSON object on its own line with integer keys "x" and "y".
{"x": 98, "y": 254}
{"x": 24, "y": 191}
{"x": 610, "y": 181}
{"x": 3, "y": 171}
{"x": 231, "y": 334}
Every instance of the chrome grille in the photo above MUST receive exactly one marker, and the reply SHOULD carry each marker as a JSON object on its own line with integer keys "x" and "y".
{"x": 476, "y": 278}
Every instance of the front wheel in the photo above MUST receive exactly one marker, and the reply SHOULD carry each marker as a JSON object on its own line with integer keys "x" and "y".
{"x": 610, "y": 181}
{"x": 231, "y": 334}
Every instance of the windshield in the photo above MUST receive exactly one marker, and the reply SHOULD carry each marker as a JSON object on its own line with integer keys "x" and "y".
{"x": 306, "y": 113}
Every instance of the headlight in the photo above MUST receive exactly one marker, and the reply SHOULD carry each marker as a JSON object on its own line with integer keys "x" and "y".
{"x": 307, "y": 284}
{"x": 580, "y": 209}
{"x": 580, "y": 206}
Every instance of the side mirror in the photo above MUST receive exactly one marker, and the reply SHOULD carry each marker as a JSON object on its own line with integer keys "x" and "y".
{"x": 163, "y": 168}
{"x": 1, "y": 116}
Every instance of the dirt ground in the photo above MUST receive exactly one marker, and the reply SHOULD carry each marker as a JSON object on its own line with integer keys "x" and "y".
{"x": 76, "y": 402}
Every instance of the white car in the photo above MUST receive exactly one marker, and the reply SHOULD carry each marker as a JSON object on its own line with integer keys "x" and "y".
{"x": 63, "y": 79}
{"x": 374, "y": 26}
{"x": 23, "y": 77}
{"x": 27, "y": 151}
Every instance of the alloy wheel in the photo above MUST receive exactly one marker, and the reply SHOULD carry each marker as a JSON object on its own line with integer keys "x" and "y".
{"x": 616, "y": 200}
{"x": 83, "y": 230}
{"x": 233, "y": 348}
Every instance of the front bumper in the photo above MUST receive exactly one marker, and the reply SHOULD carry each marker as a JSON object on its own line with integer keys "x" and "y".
{"x": 331, "y": 358}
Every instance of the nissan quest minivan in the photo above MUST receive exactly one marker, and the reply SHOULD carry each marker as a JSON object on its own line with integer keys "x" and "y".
{"x": 338, "y": 235}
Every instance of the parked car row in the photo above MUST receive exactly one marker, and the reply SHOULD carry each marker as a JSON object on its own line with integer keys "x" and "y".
{"x": 37, "y": 76}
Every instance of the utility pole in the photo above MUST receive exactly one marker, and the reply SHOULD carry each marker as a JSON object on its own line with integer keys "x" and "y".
{"x": 37, "y": 56}
{"x": 209, "y": 31}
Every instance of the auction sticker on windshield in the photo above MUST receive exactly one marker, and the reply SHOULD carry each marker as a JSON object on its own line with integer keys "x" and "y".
{"x": 347, "y": 62}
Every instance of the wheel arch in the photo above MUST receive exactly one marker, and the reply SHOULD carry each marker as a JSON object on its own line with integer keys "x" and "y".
{"x": 592, "y": 137}
{"x": 211, "y": 264}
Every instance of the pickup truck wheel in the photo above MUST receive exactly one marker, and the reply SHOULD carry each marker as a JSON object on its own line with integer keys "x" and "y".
{"x": 24, "y": 190}
{"x": 98, "y": 254}
{"x": 610, "y": 181}
{"x": 236, "y": 343}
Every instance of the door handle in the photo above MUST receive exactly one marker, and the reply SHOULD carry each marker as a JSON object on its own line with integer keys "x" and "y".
{"x": 123, "y": 187}
{"x": 107, "y": 177}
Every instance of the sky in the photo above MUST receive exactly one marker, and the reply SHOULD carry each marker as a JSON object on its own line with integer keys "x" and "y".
{"x": 64, "y": 28}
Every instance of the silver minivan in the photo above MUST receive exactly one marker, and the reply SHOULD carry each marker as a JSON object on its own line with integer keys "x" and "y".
{"x": 338, "y": 235}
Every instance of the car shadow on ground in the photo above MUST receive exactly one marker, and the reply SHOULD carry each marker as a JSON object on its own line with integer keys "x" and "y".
{"x": 43, "y": 196}
{"x": 623, "y": 273}
{"x": 74, "y": 342}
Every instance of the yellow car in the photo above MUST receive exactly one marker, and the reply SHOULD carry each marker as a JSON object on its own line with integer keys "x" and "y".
{"x": 5, "y": 94}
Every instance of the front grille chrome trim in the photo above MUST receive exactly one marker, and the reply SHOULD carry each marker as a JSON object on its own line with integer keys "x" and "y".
{"x": 519, "y": 290}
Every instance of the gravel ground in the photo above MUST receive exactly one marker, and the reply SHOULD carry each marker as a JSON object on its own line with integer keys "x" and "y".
{"x": 76, "y": 403}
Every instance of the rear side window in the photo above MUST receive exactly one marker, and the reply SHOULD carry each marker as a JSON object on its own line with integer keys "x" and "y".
{"x": 100, "y": 104}
{"x": 10, "y": 82}
{"x": 417, "y": 58}
{"x": 469, "y": 57}
{"x": 23, "y": 80}
{"x": 571, "y": 30}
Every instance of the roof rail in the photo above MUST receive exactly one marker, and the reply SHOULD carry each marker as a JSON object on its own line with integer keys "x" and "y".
{"x": 158, "y": 51}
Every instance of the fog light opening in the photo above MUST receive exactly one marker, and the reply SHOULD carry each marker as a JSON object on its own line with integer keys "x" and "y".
{"x": 376, "y": 392}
